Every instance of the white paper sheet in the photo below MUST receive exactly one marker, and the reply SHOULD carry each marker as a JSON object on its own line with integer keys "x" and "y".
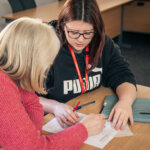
{"x": 100, "y": 140}
{"x": 125, "y": 132}
{"x": 53, "y": 126}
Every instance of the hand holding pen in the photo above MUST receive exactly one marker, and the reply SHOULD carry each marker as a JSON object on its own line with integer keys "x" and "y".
{"x": 65, "y": 114}
{"x": 94, "y": 123}
{"x": 74, "y": 109}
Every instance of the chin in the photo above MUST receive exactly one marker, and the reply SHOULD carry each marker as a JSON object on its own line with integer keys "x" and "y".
{"x": 79, "y": 48}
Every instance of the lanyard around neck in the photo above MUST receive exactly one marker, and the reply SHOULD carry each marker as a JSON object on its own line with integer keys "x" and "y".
{"x": 78, "y": 70}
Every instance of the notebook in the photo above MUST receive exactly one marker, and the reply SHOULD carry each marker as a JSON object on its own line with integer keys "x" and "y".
{"x": 139, "y": 105}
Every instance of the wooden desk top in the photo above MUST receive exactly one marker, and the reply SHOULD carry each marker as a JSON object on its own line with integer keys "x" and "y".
{"x": 50, "y": 11}
{"x": 141, "y": 138}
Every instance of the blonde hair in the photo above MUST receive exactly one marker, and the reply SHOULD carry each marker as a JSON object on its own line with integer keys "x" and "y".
{"x": 28, "y": 48}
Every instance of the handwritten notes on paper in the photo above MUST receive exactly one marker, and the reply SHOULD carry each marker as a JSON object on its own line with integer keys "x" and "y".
{"x": 100, "y": 140}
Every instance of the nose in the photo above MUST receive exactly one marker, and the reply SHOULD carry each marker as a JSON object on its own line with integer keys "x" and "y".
{"x": 81, "y": 38}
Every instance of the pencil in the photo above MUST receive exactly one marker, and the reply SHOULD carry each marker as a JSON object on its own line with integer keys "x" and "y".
{"x": 103, "y": 107}
{"x": 145, "y": 113}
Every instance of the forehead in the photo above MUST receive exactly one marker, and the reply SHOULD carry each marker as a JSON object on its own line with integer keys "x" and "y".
{"x": 79, "y": 25}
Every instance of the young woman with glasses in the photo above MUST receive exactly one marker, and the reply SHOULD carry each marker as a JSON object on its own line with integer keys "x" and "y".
{"x": 87, "y": 59}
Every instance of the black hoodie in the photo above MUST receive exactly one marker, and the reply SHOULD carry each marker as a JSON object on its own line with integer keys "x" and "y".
{"x": 63, "y": 83}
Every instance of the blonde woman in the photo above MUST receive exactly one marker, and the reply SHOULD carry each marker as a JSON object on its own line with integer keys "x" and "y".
{"x": 27, "y": 51}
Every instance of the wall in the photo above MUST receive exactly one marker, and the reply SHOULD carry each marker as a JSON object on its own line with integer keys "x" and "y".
{"x": 6, "y": 9}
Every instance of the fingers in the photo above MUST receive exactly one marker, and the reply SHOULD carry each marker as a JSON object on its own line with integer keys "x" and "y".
{"x": 120, "y": 120}
{"x": 71, "y": 116}
{"x": 126, "y": 120}
{"x": 131, "y": 120}
{"x": 60, "y": 122}
{"x": 111, "y": 114}
{"x": 64, "y": 114}
{"x": 77, "y": 116}
{"x": 94, "y": 123}
{"x": 115, "y": 119}
{"x": 74, "y": 116}
{"x": 120, "y": 123}
{"x": 120, "y": 115}
{"x": 124, "y": 123}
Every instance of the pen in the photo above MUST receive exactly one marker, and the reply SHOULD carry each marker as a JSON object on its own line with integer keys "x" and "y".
{"x": 145, "y": 113}
{"x": 103, "y": 107}
{"x": 75, "y": 108}
{"x": 79, "y": 107}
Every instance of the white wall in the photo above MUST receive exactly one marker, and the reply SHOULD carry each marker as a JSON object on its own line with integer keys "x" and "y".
{"x": 6, "y": 9}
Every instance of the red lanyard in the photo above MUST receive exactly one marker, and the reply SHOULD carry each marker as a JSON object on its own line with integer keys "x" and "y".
{"x": 78, "y": 70}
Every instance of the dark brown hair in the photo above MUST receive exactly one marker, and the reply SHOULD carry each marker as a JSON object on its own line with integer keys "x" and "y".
{"x": 87, "y": 11}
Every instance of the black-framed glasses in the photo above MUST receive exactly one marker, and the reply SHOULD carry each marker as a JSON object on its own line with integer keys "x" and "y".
{"x": 75, "y": 35}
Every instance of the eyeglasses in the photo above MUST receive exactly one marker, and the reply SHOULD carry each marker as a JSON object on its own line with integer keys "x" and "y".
{"x": 75, "y": 35}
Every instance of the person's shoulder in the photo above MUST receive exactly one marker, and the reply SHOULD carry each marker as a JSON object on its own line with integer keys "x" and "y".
{"x": 108, "y": 40}
{"x": 63, "y": 52}
{"x": 4, "y": 76}
{"x": 110, "y": 45}
{"x": 5, "y": 80}
{"x": 107, "y": 45}
{"x": 110, "y": 49}
{"x": 7, "y": 86}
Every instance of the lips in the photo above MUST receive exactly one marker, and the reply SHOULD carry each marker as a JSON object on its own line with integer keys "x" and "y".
{"x": 79, "y": 45}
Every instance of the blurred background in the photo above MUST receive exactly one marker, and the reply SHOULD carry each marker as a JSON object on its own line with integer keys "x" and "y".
{"x": 5, "y": 8}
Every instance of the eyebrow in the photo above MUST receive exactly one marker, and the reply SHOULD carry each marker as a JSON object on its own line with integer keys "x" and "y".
{"x": 78, "y": 30}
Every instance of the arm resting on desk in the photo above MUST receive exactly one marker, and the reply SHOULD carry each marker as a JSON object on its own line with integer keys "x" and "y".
{"x": 122, "y": 111}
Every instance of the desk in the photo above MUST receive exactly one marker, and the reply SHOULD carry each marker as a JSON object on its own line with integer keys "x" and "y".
{"x": 110, "y": 9}
{"x": 141, "y": 131}
{"x": 136, "y": 16}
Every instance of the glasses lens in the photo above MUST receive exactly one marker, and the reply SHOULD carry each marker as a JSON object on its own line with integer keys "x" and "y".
{"x": 88, "y": 35}
{"x": 73, "y": 34}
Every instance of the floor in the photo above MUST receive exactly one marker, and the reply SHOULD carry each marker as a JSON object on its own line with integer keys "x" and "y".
{"x": 138, "y": 55}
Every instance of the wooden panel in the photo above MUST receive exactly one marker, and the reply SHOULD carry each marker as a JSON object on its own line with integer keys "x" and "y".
{"x": 109, "y": 4}
{"x": 137, "y": 17}
{"x": 112, "y": 20}
{"x": 110, "y": 9}
{"x": 50, "y": 11}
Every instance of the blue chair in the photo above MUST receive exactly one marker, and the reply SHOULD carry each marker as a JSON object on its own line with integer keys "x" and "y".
{"x": 19, "y": 5}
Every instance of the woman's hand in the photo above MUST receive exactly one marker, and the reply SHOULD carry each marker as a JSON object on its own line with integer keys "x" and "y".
{"x": 94, "y": 123}
{"x": 64, "y": 114}
{"x": 120, "y": 114}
